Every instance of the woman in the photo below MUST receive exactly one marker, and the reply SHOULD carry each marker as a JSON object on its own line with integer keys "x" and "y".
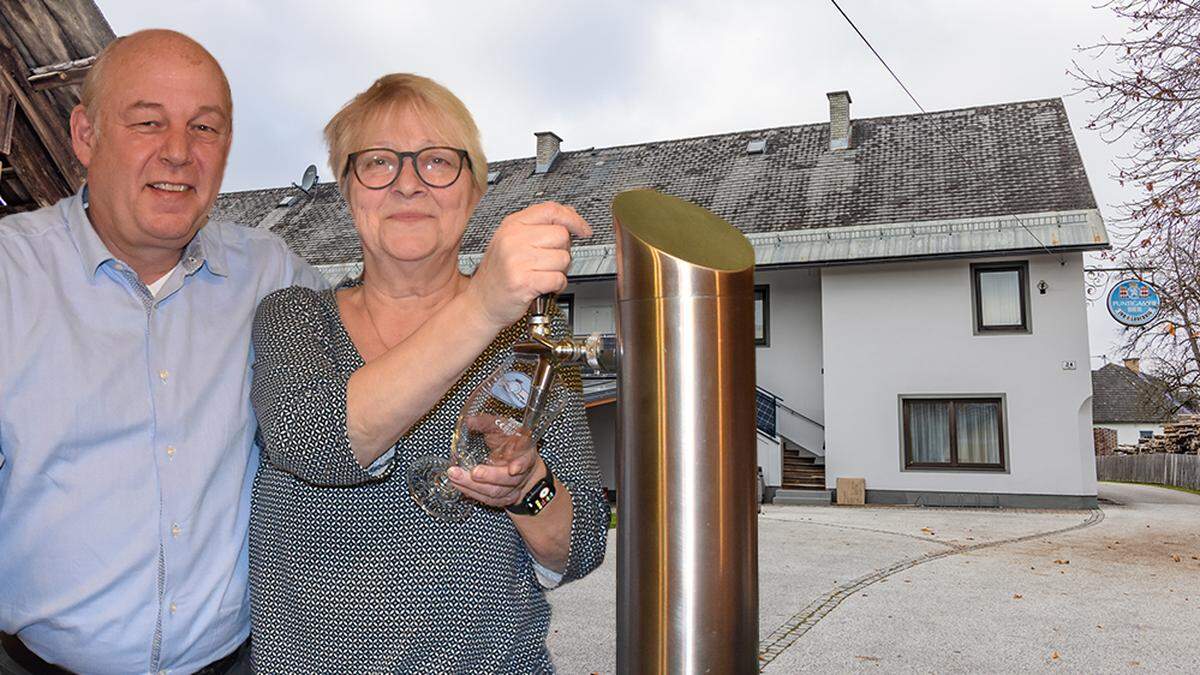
{"x": 351, "y": 386}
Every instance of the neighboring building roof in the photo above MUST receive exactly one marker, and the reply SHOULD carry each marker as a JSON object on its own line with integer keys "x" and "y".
{"x": 898, "y": 171}
{"x": 1120, "y": 395}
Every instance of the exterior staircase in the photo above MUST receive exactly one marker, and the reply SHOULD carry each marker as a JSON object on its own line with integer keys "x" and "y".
{"x": 803, "y": 478}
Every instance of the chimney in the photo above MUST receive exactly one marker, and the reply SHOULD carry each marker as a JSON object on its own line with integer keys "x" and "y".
{"x": 547, "y": 150}
{"x": 1134, "y": 365}
{"x": 839, "y": 120}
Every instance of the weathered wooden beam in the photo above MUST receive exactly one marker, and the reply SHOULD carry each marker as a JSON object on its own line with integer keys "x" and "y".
{"x": 15, "y": 196}
{"x": 85, "y": 31}
{"x": 54, "y": 137}
{"x": 34, "y": 166}
{"x": 8, "y": 115}
{"x": 60, "y": 74}
{"x": 54, "y": 31}
{"x": 62, "y": 78}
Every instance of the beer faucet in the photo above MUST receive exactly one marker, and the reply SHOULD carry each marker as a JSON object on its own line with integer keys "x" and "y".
{"x": 599, "y": 352}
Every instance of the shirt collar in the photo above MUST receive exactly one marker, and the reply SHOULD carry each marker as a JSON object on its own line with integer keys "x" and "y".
{"x": 205, "y": 247}
{"x": 92, "y": 252}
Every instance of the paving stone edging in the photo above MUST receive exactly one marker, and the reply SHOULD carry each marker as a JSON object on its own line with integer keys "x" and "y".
{"x": 875, "y": 530}
{"x": 795, "y": 627}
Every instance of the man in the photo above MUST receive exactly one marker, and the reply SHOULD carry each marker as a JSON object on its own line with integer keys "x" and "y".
{"x": 126, "y": 432}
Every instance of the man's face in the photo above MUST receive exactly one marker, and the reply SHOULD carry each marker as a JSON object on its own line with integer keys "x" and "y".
{"x": 155, "y": 148}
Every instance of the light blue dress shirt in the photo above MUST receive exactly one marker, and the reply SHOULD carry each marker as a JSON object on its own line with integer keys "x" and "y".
{"x": 127, "y": 442}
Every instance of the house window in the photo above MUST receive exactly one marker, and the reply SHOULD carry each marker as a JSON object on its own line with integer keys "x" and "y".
{"x": 1146, "y": 434}
{"x": 953, "y": 433}
{"x": 1000, "y": 297}
{"x": 566, "y": 305}
{"x": 762, "y": 315}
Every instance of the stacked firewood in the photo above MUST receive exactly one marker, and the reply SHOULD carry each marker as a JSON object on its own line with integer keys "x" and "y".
{"x": 1180, "y": 437}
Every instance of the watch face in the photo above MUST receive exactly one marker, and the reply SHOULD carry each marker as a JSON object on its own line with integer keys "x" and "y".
{"x": 539, "y": 496}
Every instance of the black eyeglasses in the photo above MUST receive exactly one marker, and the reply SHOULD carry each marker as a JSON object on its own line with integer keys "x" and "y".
{"x": 378, "y": 168}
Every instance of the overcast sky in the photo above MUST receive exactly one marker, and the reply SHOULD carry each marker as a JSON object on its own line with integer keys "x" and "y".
{"x": 611, "y": 73}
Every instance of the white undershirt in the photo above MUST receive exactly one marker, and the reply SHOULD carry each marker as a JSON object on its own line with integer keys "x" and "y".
{"x": 156, "y": 286}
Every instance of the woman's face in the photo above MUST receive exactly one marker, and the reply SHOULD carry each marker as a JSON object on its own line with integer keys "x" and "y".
{"x": 410, "y": 221}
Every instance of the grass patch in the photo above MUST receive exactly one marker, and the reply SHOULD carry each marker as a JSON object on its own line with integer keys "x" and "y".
{"x": 612, "y": 519}
{"x": 1161, "y": 485}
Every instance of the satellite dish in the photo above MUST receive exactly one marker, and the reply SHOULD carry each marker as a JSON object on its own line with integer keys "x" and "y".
{"x": 308, "y": 180}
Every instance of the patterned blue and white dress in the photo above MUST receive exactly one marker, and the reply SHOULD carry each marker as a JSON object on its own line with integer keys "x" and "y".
{"x": 348, "y": 574}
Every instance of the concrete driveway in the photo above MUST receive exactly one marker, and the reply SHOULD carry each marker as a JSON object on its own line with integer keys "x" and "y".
{"x": 905, "y": 589}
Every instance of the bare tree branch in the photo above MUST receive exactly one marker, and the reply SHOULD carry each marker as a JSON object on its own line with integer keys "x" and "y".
{"x": 1151, "y": 98}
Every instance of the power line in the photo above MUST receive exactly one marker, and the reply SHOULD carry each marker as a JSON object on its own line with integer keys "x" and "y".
{"x": 970, "y": 166}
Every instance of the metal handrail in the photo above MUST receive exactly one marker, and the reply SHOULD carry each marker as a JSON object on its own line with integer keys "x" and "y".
{"x": 797, "y": 413}
{"x": 767, "y": 392}
{"x": 779, "y": 404}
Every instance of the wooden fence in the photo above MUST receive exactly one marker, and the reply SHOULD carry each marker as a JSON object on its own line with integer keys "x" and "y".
{"x": 1163, "y": 468}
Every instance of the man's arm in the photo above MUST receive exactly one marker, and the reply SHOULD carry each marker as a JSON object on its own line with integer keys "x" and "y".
{"x": 297, "y": 271}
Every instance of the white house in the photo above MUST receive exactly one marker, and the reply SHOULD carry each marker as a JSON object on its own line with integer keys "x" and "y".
{"x": 1130, "y": 402}
{"x": 920, "y": 279}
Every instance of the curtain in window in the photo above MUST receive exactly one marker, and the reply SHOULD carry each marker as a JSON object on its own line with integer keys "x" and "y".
{"x": 930, "y": 429}
{"x": 1000, "y": 298}
{"x": 978, "y": 427}
{"x": 760, "y": 332}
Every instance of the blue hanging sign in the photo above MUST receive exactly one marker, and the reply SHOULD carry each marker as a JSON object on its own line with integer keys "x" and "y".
{"x": 1133, "y": 303}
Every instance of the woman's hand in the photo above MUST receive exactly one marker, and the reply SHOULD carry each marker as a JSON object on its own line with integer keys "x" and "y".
{"x": 529, "y": 255}
{"x": 511, "y": 469}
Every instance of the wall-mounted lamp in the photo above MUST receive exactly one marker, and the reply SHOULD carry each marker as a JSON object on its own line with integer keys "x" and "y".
{"x": 1042, "y": 286}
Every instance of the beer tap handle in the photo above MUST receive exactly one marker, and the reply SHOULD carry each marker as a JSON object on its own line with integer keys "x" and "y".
{"x": 539, "y": 318}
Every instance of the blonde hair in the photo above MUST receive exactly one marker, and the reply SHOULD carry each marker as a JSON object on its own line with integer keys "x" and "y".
{"x": 397, "y": 94}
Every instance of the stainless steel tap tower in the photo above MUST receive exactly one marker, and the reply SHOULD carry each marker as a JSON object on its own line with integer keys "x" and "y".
{"x": 687, "y": 551}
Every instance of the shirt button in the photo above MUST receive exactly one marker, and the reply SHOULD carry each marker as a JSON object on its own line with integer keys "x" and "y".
{"x": 163, "y": 375}
{"x": 171, "y": 451}
{"x": 176, "y": 530}
{"x": 172, "y": 607}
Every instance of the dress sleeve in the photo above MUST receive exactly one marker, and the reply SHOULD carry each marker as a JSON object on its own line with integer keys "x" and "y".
{"x": 567, "y": 449}
{"x": 299, "y": 392}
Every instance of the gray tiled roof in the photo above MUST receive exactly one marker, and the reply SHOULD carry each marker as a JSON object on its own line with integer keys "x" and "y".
{"x": 899, "y": 169}
{"x": 1121, "y": 395}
